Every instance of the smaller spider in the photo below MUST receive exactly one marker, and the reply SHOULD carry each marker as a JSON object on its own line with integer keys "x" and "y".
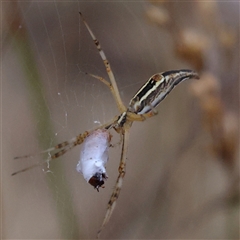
{"x": 141, "y": 107}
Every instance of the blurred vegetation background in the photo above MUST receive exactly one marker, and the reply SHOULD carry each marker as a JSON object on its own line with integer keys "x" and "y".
{"x": 182, "y": 177}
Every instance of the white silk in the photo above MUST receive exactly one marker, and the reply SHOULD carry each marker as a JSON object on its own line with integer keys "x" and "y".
{"x": 94, "y": 154}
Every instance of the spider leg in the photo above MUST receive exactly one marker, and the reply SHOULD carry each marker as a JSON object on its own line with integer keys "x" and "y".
{"x": 118, "y": 185}
{"x": 115, "y": 92}
{"x": 109, "y": 85}
{"x": 141, "y": 117}
{"x": 50, "y": 158}
{"x": 64, "y": 146}
{"x": 58, "y": 146}
{"x": 152, "y": 113}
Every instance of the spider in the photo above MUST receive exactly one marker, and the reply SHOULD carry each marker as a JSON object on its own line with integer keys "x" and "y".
{"x": 141, "y": 107}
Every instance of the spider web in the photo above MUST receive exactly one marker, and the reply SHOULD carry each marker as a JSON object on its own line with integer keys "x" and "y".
{"x": 54, "y": 201}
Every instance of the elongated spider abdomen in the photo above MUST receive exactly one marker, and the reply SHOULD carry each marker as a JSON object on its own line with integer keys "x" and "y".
{"x": 157, "y": 88}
